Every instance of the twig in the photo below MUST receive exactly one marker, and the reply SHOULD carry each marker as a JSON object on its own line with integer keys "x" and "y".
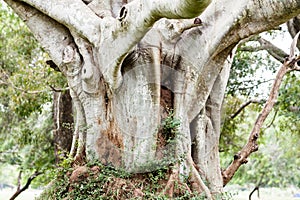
{"x": 58, "y": 90}
{"x": 256, "y": 187}
{"x": 272, "y": 121}
{"x": 243, "y": 106}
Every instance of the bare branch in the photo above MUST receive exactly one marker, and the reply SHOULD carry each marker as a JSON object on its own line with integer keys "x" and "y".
{"x": 19, "y": 180}
{"x": 243, "y": 106}
{"x": 293, "y": 46}
{"x": 272, "y": 121}
{"x": 25, "y": 187}
{"x": 294, "y": 27}
{"x": 273, "y": 50}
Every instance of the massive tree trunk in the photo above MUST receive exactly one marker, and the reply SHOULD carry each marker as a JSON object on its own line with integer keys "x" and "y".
{"x": 130, "y": 65}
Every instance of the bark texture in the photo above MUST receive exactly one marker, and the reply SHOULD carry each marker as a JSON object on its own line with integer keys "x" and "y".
{"x": 130, "y": 63}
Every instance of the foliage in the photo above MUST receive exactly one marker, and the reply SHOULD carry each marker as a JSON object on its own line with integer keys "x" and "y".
{"x": 248, "y": 73}
{"x": 25, "y": 98}
{"x": 170, "y": 127}
{"x": 289, "y": 99}
{"x": 236, "y": 129}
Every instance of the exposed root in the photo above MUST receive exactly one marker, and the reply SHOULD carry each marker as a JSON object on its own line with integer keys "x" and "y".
{"x": 174, "y": 185}
{"x": 80, "y": 158}
{"x": 197, "y": 183}
{"x": 196, "y": 180}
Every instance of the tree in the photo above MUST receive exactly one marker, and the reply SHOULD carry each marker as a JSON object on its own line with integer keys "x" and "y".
{"x": 135, "y": 68}
{"x": 26, "y": 87}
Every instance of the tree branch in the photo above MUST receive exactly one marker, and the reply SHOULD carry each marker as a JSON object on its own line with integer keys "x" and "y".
{"x": 135, "y": 19}
{"x": 273, "y": 50}
{"x": 25, "y": 187}
{"x": 252, "y": 17}
{"x": 219, "y": 34}
{"x": 252, "y": 146}
{"x": 74, "y": 14}
{"x": 243, "y": 106}
{"x": 293, "y": 26}
{"x": 178, "y": 9}
{"x": 119, "y": 35}
{"x": 53, "y": 37}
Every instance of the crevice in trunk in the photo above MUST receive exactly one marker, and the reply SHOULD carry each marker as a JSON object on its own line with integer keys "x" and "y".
{"x": 63, "y": 124}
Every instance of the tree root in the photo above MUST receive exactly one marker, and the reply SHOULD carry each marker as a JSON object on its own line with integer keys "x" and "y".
{"x": 174, "y": 177}
{"x": 196, "y": 179}
{"x": 197, "y": 183}
{"x": 80, "y": 158}
{"x": 174, "y": 185}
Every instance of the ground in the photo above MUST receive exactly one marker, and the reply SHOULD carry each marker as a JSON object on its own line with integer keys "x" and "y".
{"x": 242, "y": 193}
{"x": 29, "y": 194}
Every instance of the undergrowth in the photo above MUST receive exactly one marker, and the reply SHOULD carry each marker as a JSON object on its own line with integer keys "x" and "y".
{"x": 96, "y": 181}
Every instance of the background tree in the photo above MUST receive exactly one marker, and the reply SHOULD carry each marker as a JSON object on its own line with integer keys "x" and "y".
{"x": 244, "y": 100}
{"x": 127, "y": 65}
{"x": 26, "y": 119}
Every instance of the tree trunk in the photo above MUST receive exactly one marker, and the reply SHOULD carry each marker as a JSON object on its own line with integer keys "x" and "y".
{"x": 132, "y": 66}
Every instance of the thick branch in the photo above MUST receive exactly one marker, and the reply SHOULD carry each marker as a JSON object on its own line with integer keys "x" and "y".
{"x": 253, "y": 17}
{"x": 122, "y": 32}
{"x": 135, "y": 19}
{"x": 178, "y": 9}
{"x": 53, "y": 37}
{"x": 74, "y": 14}
{"x": 236, "y": 20}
